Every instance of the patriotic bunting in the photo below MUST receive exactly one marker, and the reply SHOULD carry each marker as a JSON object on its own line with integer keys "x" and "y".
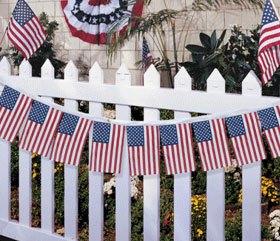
{"x": 40, "y": 129}
{"x": 245, "y": 133}
{"x": 69, "y": 142}
{"x": 143, "y": 150}
{"x": 14, "y": 107}
{"x": 107, "y": 147}
{"x": 177, "y": 148}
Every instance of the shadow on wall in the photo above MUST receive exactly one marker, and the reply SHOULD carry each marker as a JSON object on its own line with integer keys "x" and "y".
{"x": 6, "y": 239}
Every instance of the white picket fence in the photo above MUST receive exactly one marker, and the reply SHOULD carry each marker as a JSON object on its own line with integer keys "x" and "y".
{"x": 182, "y": 100}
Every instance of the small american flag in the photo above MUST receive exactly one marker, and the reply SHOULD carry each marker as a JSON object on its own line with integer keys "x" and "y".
{"x": 269, "y": 119}
{"x": 40, "y": 129}
{"x": 146, "y": 54}
{"x": 212, "y": 144}
{"x": 269, "y": 44}
{"x": 245, "y": 133}
{"x": 25, "y": 30}
{"x": 107, "y": 147}
{"x": 177, "y": 148}
{"x": 70, "y": 139}
{"x": 14, "y": 107}
{"x": 143, "y": 150}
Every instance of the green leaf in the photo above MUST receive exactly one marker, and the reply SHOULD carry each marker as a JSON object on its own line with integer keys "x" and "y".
{"x": 221, "y": 39}
{"x": 214, "y": 41}
{"x": 205, "y": 40}
{"x": 196, "y": 49}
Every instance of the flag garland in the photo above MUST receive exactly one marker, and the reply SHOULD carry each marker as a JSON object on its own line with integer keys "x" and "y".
{"x": 61, "y": 136}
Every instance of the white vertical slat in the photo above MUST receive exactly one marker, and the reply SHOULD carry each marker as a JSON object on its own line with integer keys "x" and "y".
{"x": 251, "y": 178}
{"x": 215, "y": 179}
{"x": 96, "y": 202}
{"x": 123, "y": 212}
{"x": 71, "y": 172}
{"x": 47, "y": 169}
{"x": 5, "y": 157}
{"x": 25, "y": 167}
{"x": 151, "y": 183}
{"x": 182, "y": 182}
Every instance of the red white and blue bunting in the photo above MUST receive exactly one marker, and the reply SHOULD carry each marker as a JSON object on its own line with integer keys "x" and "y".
{"x": 48, "y": 130}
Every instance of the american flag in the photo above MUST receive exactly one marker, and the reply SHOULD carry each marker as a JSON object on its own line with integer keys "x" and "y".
{"x": 25, "y": 30}
{"x": 143, "y": 150}
{"x": 14, "y": 107}
{"x": 107, "y": 147}
{"x": 146, "y": 54}
{"x": 245, "y": 133}
{"x": 70, "y": 139}
{"x": 177, "y": 148}
{"x": 40, "y": 129}
{"x": 212, "y": 144}
{"x": 269, "y": 44}
{"x": 269, "y": 119}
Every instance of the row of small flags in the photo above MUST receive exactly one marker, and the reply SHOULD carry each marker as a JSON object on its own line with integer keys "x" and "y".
{"x": 61, "y": 137}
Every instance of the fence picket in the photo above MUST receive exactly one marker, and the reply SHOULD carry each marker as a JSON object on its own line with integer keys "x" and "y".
{"x": 71, "y": 172}
{"x": 182, "y": 182}
{"x": 151, "y": 183}
{"x": 123, "y": 196}
{"x": 5, "y": 157}
{"x": 215, "y": 179}
{"x": 25, "y": 167}
{"x": 47, "y": 169}
{"x": 96, "y": 202}
{"x": 251, "y": 178}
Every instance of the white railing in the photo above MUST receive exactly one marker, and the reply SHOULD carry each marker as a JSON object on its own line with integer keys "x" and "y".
{"x": 182, "y": 99}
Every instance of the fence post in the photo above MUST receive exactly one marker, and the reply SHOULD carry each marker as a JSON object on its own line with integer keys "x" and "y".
{"x": 123, "y": 196}
{"x": 47, "y": 169}
{"x": 71, "y": 172}
{"x": 96, "y": 202}
{"x": 151, "y": 183}
{"x": 216, "y": 179}
{"x": 25, "y": 167}
{"x": 182, "y": 182}
{"x": 251, "y": 178}
{"x": 5, "y": 157}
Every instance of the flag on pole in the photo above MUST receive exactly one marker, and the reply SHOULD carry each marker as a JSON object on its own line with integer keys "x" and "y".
{"x": 269, "y": 119}
{"x": 177, "y": 148}
{"x": 245, "y": 134}
{"x": 212, "y": 144}
{"x": 146, "y": 54}
{"x": 14, "y": 107}
{"x": 25, "y": 30}
{"x": 143, "y": 150}
{"x": 70, "y": 139}
{"x": 269, "y": 44}
{"x": 107, "y": 147}
{"x": 40, "y": 128}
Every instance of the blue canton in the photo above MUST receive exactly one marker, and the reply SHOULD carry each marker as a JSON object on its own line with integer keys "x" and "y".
{"x": 135, "y": 135}
{"x": 168, "y": 135}
{"x": 268, "y": 118}
{"x": 101, "y": 132}
{"x": 22, "y": 13}
{"x": 39, "y": 112}
{"x": 269, "y": 14}
{"x": 68, "y": 124}
{"x": 202, "y": 131}
{"x": 235, "y": 126}
{"x": 9, "y": 98}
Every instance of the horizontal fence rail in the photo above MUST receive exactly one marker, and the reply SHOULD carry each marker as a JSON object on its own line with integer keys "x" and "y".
{"x": 183, "y": 100}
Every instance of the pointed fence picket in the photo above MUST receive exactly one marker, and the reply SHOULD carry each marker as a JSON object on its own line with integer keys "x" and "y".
{"x": 183, "y": 100}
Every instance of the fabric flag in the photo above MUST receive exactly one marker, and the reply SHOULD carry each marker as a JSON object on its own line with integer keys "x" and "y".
{"x": 25, "y": 30}
{"x": 269, "y": 119}
{"x": 146, "y": 54}
{"x": 177, "y": 148}
{"x": 269, "y": 44}
{"x": 107, "y": 147}
{"x": 212, "y": 144}
{"x": 92, "y": 20}
{"x": 70, "y": 139}
{"x": 40, "y": 128}
{"x": 245, "y": 133}
{"x": 143, "y": 150}
{"x": 14, "y": 108}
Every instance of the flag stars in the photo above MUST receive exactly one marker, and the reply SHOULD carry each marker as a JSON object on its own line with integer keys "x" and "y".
{"x": 168, "y": 135}
{"x": 68, "y": 124}
{"x": 9, "y": 98}
{"x": 202, "y": 131}
{"x": 268, "y": 118}
{"x": 135, "y": 135}
{"x": 235, "y": 126}
{"x": 39, "y": 112}
{"x": 101, "y": 132}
